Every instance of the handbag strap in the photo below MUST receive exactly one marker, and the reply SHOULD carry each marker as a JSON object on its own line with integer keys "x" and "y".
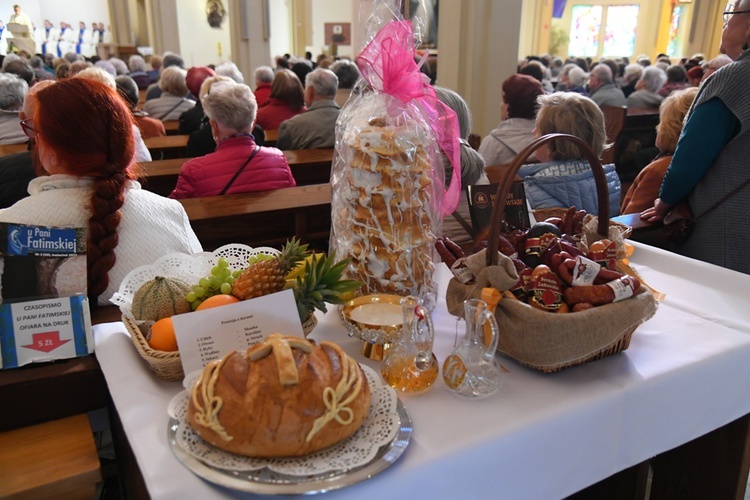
{"x": 238, "y": 172}
{"x": 724, "y": 198}
{"x": 172, "y": 109}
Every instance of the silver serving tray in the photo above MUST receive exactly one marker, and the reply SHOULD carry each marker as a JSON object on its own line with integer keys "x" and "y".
{"x": 267, "y": 482}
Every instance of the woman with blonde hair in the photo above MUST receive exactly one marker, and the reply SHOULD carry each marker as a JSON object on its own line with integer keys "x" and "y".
{"x": 287, "y": 99}
{"x": 645, "y": 187}
{"x": 564, "y": 178}
{"x": 83, "y": 133}
{"x": 173, "y": 100}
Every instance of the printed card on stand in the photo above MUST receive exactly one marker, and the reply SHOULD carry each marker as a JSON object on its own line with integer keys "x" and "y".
{"x": 204, "y": 336}
{"x": 44, "y": 313}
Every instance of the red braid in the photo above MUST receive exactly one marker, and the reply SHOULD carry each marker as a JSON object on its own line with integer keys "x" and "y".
{"x": 89, "y": 128}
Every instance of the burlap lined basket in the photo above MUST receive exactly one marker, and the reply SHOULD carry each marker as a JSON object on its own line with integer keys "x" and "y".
{"x": 538, "y": 339}
{"x": 166, "y": 364}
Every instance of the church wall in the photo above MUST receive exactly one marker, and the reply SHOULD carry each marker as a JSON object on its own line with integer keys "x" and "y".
{"x": 200, "y": 44}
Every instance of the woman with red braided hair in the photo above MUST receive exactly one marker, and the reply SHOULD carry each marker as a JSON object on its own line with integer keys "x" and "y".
{"x": 83, "y": 134}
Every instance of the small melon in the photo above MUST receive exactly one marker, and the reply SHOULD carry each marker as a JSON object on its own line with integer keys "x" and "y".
{"x": 160, "y": 298}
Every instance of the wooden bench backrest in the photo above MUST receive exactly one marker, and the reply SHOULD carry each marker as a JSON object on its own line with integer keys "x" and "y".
{"x": 614, "y": 121}
{"x": 309, "y": 166}
{"x": 9, "y": 149}
{"x": 262, "y": 217}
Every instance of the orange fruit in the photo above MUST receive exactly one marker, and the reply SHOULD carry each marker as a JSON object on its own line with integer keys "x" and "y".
{"x": 162, "y": 337}
{"x": 217, "y": 300}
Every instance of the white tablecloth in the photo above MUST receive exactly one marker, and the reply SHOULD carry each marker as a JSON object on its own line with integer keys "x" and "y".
{"x": 540, "y": 436}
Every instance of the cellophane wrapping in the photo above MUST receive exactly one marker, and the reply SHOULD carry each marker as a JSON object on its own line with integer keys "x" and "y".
{"x": 387, "y": 176}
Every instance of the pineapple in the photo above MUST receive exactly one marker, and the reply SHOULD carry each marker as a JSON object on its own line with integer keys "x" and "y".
{"x": 269, "y": 276}
{"x": 321, "y": 283}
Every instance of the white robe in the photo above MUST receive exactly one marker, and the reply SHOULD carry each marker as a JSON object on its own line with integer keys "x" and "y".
{"x": 65, "y": 42}
{"x": 4, "y": 37}
{"x": 49, "y": 40}
{"x": 38, "y": 35}
{"x": 82, "y": 42}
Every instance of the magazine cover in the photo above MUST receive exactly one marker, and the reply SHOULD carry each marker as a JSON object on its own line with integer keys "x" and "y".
{"x": 44, "y": 311}
{"x": 482, "y": 199}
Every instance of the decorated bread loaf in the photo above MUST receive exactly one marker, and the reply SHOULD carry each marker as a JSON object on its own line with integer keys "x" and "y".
{"x": 283, "y": 397}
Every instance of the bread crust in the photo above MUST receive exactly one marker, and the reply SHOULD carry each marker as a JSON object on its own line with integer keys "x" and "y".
{"x": 244, "y": 406}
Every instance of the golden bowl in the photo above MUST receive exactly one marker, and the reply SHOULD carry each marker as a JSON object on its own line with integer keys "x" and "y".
{"x": 373, "y": 318}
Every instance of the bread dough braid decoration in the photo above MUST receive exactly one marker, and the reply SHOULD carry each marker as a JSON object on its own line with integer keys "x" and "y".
{"x": 209, "y": 416}
{"x": 282, "y": 350}
{"x": 333, "y": 399}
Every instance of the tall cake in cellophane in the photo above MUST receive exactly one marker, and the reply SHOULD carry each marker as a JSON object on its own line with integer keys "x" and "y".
{"x": 388, "y": 178}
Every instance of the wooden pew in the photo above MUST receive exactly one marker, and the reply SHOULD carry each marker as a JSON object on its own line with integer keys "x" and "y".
{"x": 309, "y": 166}
{"x": 55, "y": 459}
{"x": 636, "y": 142}
{"x": 614, "y": 121}
{"x": 169, "y": 146}
{"x": 263, "y": 217}
{"x": 172, "y": 127}
{"x": 9, "y": 149}
{"x": 271, "y": 136}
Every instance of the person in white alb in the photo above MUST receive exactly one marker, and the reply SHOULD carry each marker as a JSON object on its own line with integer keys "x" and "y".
{"x": 5, "y": 34}
{"x": 106, "y": 34}
{"x": 83, "y": 40}
{"x": 64, "y": 39}
{"x": 50, "y": 34}
{"x": 19, "y": 17}
{"x": 38, "y": 35}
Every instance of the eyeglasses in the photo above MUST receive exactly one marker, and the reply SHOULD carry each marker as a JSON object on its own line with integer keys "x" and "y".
{"x": 729, "y": 12}
{"x": 30, "y": 131}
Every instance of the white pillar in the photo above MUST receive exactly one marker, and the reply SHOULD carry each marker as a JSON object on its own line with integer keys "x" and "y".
{"x": 477, "y": 50}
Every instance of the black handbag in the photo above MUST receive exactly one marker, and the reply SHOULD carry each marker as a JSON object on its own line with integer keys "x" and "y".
{"x": 680, "y": 222}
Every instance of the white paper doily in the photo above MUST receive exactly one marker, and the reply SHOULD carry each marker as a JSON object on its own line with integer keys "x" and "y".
{"x": 187, "y": 267}
{"x": 360, "y": 448}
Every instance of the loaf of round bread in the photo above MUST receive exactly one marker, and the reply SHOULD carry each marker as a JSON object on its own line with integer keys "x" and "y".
{"x": 284, "y": 397}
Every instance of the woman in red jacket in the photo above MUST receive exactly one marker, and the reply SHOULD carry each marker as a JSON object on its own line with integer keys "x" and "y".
{"x": 238, "y": 165}
{"x": 287, "y": 100}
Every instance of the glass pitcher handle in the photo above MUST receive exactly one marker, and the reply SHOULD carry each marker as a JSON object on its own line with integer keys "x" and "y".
{"x": 424, "y": 336}
{"x": 491, "y": 334}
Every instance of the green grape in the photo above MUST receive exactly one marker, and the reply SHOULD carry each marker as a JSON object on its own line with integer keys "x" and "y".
{"x": 236, "y": 274}
{"x": 216, "y": 281}
{"x": 190, "y": 297}
{"x": 223, "y": 263}
{"x": 194, "y": 305}
{"x": 230, "y": 280}
{"x": 199, "y": 291}
{"x": 225, "y": 272}
{"x": 215, "y": 271}
{"x": 226, "y": 288}
{"x": 205, "y": 282}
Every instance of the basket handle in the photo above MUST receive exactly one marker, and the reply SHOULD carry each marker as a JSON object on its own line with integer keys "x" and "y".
{"x": 498, "y": 210}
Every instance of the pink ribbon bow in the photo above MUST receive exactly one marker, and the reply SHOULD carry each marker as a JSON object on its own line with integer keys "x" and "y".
{"x": 387, "y": 63}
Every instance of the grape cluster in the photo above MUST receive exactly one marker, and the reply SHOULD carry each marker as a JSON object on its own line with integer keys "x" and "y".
{"x": 220, "y": 281}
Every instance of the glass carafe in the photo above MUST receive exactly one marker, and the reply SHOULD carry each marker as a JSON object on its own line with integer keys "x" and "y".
{"x": 471, "y": 369}
{"x": 409, "y": 364}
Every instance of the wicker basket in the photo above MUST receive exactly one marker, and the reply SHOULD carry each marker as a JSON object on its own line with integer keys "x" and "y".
{"x": 539, "y": 339}
{"x": 166, "y": 365}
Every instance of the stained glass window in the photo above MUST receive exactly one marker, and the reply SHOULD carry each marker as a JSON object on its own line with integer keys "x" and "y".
{"x": 585, "y": 26}
{"x": 619, "y": 34}
{"x": 673, "y": 27}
